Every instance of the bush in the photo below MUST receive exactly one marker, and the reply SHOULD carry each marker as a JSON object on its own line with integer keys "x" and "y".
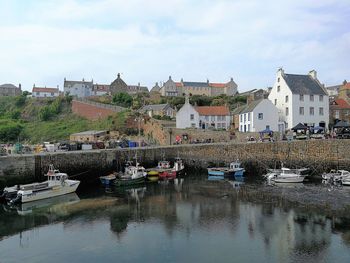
{"x": 52, "y": 110}
{"x": 21, "y": 100}
{"x": 122, "y": 99}
{"x": 10, "y": 130}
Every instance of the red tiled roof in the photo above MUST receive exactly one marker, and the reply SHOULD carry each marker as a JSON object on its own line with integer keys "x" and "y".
{"x": 217, "y": 85}
{"x": 50, "y": 90}
{"x": 178, "y": 84}
{"x": 101, "y": 87}
{"x": 342, "y": 104}
{"x": 213, "y": 110}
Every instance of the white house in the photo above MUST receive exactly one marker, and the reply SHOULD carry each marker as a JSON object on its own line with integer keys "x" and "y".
{"x": 79, "y": 89}
{"x": 38, "y": 92}
{"x": 204, "y": 117}
{"x": 259, "y": 115}
{"x": 300, "y": 98}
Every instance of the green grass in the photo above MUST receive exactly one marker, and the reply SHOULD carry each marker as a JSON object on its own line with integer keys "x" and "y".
{"x": 58, "y": 127}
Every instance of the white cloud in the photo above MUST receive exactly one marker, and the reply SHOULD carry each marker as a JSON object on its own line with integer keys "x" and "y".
{"x": 150, "y": 40}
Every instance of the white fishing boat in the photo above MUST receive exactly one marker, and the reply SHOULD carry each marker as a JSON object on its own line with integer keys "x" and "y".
{"x": 132, "y": 175}
{"x": 336, "y": 175}
{"x": 286, "y": 175}
{"x": 179, "y": 166}
{"x": 57, "y": 184}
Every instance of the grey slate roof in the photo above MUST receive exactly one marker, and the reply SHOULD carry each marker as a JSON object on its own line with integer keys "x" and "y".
{"x": 251, "y": 106}
{"x": 155, "y": 107}
{"x": 303, "y": 84}
{"x": 195, "y": 84}
{"x": 8, "y": 86}
{"x": 73, "y": 82}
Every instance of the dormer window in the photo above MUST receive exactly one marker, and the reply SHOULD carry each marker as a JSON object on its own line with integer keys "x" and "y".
{"x": 301, "y": 98}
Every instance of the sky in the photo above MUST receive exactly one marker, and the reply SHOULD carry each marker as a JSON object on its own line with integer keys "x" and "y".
{"x": 44, "y": 41}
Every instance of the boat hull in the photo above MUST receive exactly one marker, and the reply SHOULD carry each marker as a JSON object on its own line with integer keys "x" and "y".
{"x": 107, "y": 180}
{"x": 67, "y": 188}
{"x": 297, "y": 179}
{"x": 126, "y": 182}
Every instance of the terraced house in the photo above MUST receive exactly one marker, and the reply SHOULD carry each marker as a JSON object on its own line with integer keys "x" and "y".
{"x": 300, "y": 98}
{"x": 172, "y": 88}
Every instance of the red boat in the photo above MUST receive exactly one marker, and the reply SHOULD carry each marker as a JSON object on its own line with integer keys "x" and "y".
{"x": 167, "y": 174}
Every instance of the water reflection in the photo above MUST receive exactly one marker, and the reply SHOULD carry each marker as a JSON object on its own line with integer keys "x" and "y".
{"x": 208, "y": 215}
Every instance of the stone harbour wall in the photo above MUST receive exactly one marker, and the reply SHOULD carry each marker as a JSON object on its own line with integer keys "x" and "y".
{"x": 318, "y": 155}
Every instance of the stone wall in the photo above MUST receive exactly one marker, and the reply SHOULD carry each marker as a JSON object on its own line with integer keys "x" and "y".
{"x": 93, "y": 110}
{"x": 318, "y": 155}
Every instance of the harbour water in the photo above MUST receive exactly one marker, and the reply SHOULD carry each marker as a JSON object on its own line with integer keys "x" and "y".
{"x": 189, "y": 220}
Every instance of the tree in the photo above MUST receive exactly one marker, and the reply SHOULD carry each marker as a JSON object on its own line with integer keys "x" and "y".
{"x": 122, "y": 99}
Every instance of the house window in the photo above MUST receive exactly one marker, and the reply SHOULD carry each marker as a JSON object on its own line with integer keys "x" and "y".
{"x": 337, "y": 114}
{"x": 249, "y": 116}
{"x": 278, "y": 80}
{"x": 278, "y": 88}
{"x": 267, "y": 127}
{"x": 192, "y": 117}
{"x": 248, "y": 128}
{"x": 312, "y": 111}
{"x": 51, "y": 93}
{"x": 38, "y": 93}
{"x": 245, "y": 117}
{"x": 275, "y": 101}
{"x": 321, "y": 97}
{"x": 260, "y": 116}
{"x": 207, "y": 118}
{"x": 223, "y": 125}
{"x": 287, "y": 98}
{"x": 193, "y": 125}
{"x": 301, "y": 97}
{"x": 212, "y": 118}
{"x": 301, "y": 110}
{"x": 286, "y": 125}
{"x": 219, "y": 125}
{"x": 223, "y": 118}
{"x": 311, "y": 97}
{"x": 241, "y": 129}
{"x": 287, "y": 111}
{"x": 321, "y": 111}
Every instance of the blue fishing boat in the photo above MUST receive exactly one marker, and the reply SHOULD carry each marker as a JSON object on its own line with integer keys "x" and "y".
{"x": 234, "y": 169}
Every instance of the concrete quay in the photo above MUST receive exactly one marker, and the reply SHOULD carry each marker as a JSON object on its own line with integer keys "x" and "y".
{"x": 318, "y": 155}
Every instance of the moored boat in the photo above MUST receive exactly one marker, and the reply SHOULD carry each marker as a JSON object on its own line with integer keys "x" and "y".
{"x": 133, "y": 175}
{"x": 285, "y": 175}
{"x": 179, "y": 166}
{"x": 152, "y": 176}
{"x": 233, "y": 170}
{"x": 167, "y": 174}
{"x": 108, "y": 179}
{"x": 336, "y": 175}
{"x": 57, "y": 184}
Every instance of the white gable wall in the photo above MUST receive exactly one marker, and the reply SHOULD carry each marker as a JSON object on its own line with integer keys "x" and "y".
{"x": 183, "y": 117}
{"x": 270, "y": 116}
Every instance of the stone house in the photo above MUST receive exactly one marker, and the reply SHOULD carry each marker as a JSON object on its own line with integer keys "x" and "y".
{"x": 259, "y": 115}
{"x": 78, "y": 89}
{"x": 339, "y": 109}
{"x": 10, "y": 90}
{"x": 203, "y": 117}
{"x": 100, "y": 89}
{"x": 155, "y": 89}
{"x": 344, "y": 92}
{"x": 118, "y": 86}
{"x": 172, "y": 88}
{"x": 39, "y": 92}
{"x": 300, "y": 99}
{"x": 158, "y": 109}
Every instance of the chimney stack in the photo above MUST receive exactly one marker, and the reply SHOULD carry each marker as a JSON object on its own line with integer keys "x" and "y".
{"x": 313, "y": 74}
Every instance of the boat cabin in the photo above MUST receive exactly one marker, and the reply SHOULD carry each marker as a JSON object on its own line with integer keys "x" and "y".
{"x": 235, "y": 165}
{"x": 163, "y": 164}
